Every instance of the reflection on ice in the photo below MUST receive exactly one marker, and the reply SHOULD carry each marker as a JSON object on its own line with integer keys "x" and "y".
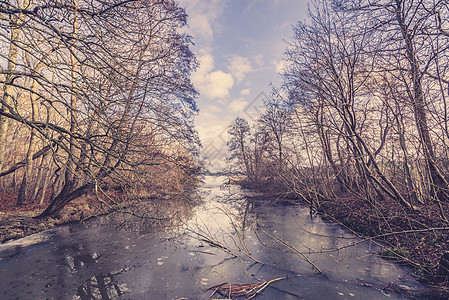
{"x": 100, "y": 286}
{"x": 229, "y": 237}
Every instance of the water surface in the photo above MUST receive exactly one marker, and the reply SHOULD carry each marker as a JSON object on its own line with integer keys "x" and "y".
{"x": 232, "y": 236}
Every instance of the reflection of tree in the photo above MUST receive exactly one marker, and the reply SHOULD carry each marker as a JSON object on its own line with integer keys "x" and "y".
{"x": 243, "y": 212}
{"x": 76, "y": 261}
{"x": 245, "y": 215}
{"x": 153, "y": 216}
{"x": 100, "y": 287}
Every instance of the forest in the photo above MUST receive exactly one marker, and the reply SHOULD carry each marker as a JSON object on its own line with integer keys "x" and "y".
{"x": 358, "y": 129}
{"x": 98, "y": 107}
{"x": 96, "y": 102}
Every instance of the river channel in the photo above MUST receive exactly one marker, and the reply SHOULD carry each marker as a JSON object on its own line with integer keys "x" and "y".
{"x": 231, "y": 236}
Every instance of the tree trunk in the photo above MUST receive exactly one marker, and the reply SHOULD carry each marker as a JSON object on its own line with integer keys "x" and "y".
{"x": 45, "y": 176}
{"x": 39, "y": 177}
{"x": 63, "y": 198}
{"x": 70, "y": 168}
{"x": 8, "y": 87}
{"x": 438, "y": 182}
{"x": 22, "y": 196}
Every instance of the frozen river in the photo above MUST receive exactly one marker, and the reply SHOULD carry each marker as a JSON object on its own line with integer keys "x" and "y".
{"x": 230, "y": 237}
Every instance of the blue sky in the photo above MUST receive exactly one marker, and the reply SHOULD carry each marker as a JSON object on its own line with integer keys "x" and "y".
{"x": 239, "y": 44}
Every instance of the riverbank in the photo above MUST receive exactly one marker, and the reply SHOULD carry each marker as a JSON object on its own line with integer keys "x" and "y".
{"x": 18, "y": 222}
{"x": 417, "y": 238}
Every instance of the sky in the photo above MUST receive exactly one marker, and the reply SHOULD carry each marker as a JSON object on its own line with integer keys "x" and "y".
{"x": 239, "y": 45}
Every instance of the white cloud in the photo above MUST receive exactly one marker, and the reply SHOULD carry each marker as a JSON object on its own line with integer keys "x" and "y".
{"x": 212, "y": 128}
{"x": 245, "y": 92}
{"x": 216, "y": 85}
{"x": 279, "y": 66}
{"x": 239, "y": 66}
{"x": 259, "y": 59}
{"x": 214, "y": 109}
{"x": 210, "y": 125}
{"x": 212, "y": 84}
{"x": 200, "y": 27}
{"x": 202, "y": 17}
{"x": 237, "y": 105}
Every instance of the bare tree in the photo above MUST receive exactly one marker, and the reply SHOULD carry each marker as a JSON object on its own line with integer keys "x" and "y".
{"x": 411, "y": 37}
{"x": 330, "y": 67}
{"x": 275, "y": 121}
{"x": 112, "y": 89}
{"x": 239, "y": 135}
